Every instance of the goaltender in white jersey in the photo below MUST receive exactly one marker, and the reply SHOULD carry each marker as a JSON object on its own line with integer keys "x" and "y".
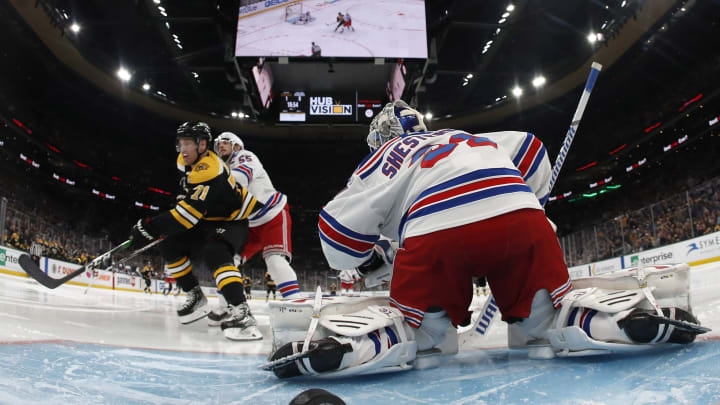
{"x": 463, "y": 205}
{"x": 459, "y": 194}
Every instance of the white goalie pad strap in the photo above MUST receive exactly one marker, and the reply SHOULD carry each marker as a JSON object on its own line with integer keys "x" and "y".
{"x": 670, "y": 285}
{"x": 296, "y": 314}
{"x": 365, "y": 321}
{"x": 290, "y": 320}
{"x": 608, "y": 301}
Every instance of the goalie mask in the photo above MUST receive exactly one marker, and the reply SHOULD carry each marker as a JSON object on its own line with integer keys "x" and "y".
{"x": 395, "y": 119}
{"x": 228, "y": 137}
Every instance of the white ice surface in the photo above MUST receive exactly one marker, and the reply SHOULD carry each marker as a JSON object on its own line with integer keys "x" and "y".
{"x": 61, "y": 346}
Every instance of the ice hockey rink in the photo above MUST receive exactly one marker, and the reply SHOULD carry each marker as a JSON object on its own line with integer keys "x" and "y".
{"x": 65, "y": 347}
{"x": 382, "y": 29}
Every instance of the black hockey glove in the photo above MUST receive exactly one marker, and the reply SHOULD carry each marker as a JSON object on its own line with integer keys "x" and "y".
{"x": 139, "y": 236}
{"x": 373, "y": 263}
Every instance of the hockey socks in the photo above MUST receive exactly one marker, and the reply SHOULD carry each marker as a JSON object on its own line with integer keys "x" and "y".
{"x": 283, "y": 274}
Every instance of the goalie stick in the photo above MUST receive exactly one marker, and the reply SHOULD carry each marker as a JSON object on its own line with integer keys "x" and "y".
{"x": 482, "y": 323}
{"x": 34, "y": 271}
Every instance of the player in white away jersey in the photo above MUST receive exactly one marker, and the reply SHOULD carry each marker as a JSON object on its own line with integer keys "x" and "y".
{"x": 269, "y": 228}
{"x": 460, "y": 206}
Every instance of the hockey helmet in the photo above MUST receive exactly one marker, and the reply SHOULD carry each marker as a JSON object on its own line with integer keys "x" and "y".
{"x": 228, "y": 137}
{"x": 196, "y": 130}
{"x": 395, "y": 119}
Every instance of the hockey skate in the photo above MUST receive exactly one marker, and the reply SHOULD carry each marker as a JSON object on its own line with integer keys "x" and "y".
{"x": 218, "y": 316}
{"x": 241, "y": 325}
{"x": 322, "y": 355}
{"x": 194, "y": 308}
{"x": 643, "y": 326}
{"x": 220, "y": 313}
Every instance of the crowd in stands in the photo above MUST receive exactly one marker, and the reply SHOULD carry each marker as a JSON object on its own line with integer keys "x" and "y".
{"x": 682, "y": 216}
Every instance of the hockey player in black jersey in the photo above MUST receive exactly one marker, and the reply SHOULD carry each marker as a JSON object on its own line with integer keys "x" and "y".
{"x": 209, "y": 223}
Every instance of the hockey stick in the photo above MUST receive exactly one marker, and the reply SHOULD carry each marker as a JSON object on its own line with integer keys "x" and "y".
{"x": 33, "y": 270}
{"x": 315, "y": 318}
{"x": 487, "y": 314}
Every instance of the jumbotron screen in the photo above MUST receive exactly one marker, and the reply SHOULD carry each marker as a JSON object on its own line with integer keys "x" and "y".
{"x": 332, "y": 28}
{"x": 299, "y": 107}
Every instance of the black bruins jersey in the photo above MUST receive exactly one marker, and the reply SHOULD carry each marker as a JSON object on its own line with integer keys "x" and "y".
{"x": 268, "y": 280}
{"x": 212, "y": 195}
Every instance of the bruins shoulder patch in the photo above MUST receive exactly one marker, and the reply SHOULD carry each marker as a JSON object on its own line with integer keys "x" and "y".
{"x": 206, "y": 169}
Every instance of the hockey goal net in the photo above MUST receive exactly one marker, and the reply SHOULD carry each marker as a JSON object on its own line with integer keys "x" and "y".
{"x": 293, "y": 11}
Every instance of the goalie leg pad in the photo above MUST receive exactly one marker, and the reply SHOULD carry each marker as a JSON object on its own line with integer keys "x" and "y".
{"x": 598, "y": 321}
{"x": 373, "y": 340}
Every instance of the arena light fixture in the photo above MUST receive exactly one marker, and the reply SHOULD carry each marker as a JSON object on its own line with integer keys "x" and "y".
{"x": 510, "y": 8}
{"x": 623, "y": 4}
{"x": 502, "y": 20}
{"x": 469, "y": 76}
{"x": 592, "y": 37}
{"x": 538, "y": 81}
{"x": 517, "y": 91}
{"x": 146, "y": 86}
{"x": 156, "y": 1}
{"x": 428, "y": 115}
{"x": 506, "y": 15}
{"x": 75, "y": 28}
{"x": 124, "y": 74}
